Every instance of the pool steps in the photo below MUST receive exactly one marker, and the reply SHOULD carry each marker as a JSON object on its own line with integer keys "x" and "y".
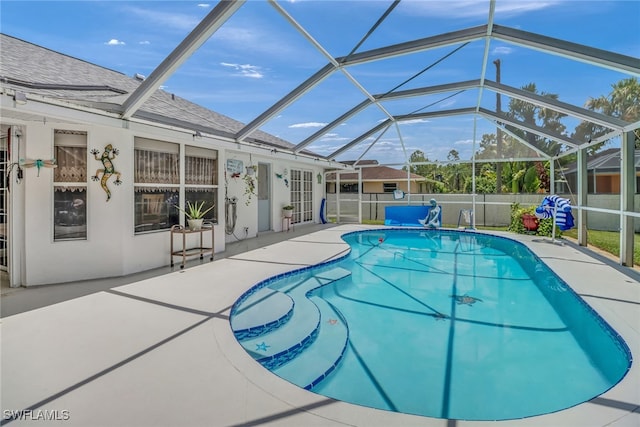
{"x": 309, "y": 368}
{"x": 277, "y": 337}
{"x": 276, "y": 309}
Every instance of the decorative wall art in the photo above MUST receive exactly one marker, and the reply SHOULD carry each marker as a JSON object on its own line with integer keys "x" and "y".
{"x": 38, "y": 163}
{"x": 235, "y": 167}
{"x": 106, "y": 158}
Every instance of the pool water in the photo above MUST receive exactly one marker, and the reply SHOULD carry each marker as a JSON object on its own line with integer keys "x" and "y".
{"x": 439, "y": 323}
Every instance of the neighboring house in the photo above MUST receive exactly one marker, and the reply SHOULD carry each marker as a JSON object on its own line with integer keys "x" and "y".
{"x": 603, "y": 173}
{"x": 377, "y": 179}
{"x": 74, "y": 222}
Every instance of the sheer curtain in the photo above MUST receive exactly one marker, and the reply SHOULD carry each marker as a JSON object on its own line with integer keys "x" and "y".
{"x": 199, "y": 170}
{"x": 72, "y": 164}
{"x": 154, "y": 167}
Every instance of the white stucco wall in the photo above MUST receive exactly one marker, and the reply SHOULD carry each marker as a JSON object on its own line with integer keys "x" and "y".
{"x": 112, "y": 248}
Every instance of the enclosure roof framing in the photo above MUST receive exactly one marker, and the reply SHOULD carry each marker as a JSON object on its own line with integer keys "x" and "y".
{"x": 558, "y": 106}
{"x": 590, "y": 55}
{"x": 489, "y": 33}
{"x": 501, "y": 117}
{"x": 200, "y": 34}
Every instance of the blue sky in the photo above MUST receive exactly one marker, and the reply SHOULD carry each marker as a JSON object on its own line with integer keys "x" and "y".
{"x": 256, "y": 58}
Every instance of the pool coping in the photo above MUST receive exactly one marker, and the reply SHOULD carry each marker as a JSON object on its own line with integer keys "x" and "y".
{"x": 235, "y": 389}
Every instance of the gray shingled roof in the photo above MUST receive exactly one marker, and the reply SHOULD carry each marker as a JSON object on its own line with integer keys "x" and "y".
{"x": 36, "y": 70}
{"x": 605, "y": 161}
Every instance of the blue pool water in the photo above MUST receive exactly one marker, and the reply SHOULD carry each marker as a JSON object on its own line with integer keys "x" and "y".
{"x": 438, "y": 323}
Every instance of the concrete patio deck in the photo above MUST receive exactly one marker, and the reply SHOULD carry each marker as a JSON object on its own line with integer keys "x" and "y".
{"x": 160, "y": 351}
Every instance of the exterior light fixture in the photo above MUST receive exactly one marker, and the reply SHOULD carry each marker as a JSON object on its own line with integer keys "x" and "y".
{"x": 20, "y": 98}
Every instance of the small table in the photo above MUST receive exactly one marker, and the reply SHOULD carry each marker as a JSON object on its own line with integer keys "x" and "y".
{"x": 200, "y": 250}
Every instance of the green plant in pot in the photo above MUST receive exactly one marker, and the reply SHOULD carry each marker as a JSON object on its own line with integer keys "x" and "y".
{"x": 287, "y": 211}
{"x": 195, "y": 213}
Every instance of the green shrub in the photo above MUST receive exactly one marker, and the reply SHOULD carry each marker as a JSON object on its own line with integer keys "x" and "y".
{"x": 545, "y": 226}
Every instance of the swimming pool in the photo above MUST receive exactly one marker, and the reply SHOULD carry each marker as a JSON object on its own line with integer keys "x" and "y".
{"x": 440, "y": 323}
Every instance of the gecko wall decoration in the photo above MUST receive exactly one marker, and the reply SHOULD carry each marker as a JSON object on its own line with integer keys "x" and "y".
{"x": 106, "y": 158}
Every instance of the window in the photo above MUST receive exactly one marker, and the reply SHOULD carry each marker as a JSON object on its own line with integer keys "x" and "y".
{"x": 302, "y": 195}
{"x": 70, "y": 185}
{"x": 156, "y": 184}
{"x": 159, "y": 187}
{"x": 389, "y": 187}
{"x": 349, "y": 188}
{"x": 201, "y": 179}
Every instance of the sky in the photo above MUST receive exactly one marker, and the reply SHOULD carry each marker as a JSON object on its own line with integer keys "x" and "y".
{"x": 257, "y": 57}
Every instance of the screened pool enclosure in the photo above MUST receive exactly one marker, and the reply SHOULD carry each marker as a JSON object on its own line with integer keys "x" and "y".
{"x": 485, "y": 84}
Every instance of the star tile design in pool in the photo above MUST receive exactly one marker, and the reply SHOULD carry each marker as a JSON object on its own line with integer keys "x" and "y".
{"x": 262, "y": 346}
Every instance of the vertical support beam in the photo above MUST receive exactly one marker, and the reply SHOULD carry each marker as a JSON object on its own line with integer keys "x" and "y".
{"x": 552, "y": 176}
{"x": 360, "y": 196}
{"x": 582, "y": 196}
{"x": 498, "y": 132}
{"x": 337, "y": 196}
{"x": 627, "y": 184}
{"x": 473, "y": 172}
{"x": 408, "y": 183}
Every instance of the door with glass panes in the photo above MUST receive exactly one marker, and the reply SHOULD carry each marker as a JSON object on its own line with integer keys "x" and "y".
{"x": 302, "y": 196}
{"x": 4, "y": 168}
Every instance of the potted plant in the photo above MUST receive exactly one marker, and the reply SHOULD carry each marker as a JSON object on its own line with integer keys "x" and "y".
{"x": 530, "y": 221}
{"x": 250, "y": 188}
{"x": 287, "y": 211}
{"x": 195, "y": 214}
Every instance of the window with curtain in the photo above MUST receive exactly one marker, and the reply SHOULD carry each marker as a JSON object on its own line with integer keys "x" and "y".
{"x": 156, "y": 184}
{"x": 201, "y": 179}
{"x": 159, "y": 189}
{"x": 70, "y": 185}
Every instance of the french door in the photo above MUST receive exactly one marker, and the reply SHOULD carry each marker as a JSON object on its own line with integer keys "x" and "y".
{"x": 4, "y": 165}
{"x": 302, "y": 196}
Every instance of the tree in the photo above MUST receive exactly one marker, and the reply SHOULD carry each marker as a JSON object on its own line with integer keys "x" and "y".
{"x": 487, "y": 147}
{"x": 623, "y": 102}
{"x": 455, "y": 174}
{"x": 423, "y": 170}
{"x": 541, "y": 117}
{"x": 429, "y": 171}
{"x": 485, "y": 180}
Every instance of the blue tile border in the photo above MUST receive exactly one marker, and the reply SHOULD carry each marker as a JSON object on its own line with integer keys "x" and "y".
{"x": 279, "y": 359}
{"x": 335, "y": 364}
{"x": 256, "y": 331}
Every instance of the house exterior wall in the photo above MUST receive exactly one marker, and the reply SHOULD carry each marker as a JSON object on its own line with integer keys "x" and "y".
{"x": 378, "y": 186}
{"x": 112, "y": 248}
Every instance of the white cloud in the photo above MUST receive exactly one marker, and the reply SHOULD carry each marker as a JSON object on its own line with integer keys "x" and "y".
{"x": 307, "y": 125}
{"x": 502, "y": 50}
{"x": 473, "y": 8}
{"x": 114, "y": 42}
{"x": 413, "y": 121}
{"x": 144, "y": 42}
{"x": 446, "y": 104}
{"x": 177, "y": 21}
{"x": 245, "y": 70}
{"x": 464, "y": 142}
{"x": 204, "y": 5}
